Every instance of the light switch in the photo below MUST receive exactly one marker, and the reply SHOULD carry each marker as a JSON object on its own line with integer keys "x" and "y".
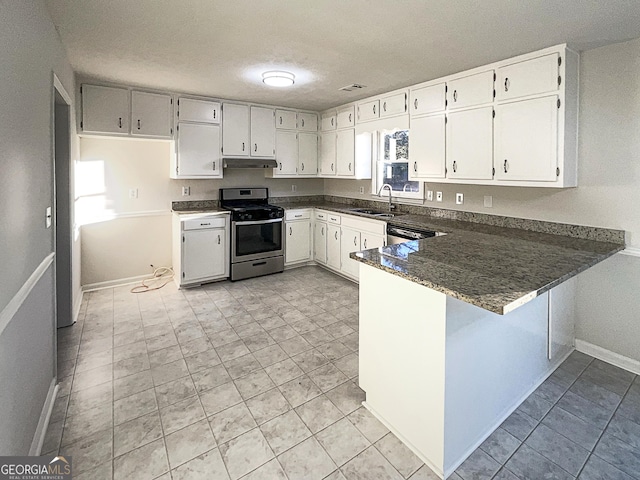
{"x": 133, "y": 193}
{"x": 186, "y": 191}
{"x": 459, "y": 198}
{"x": 430, "y": 195}
{"x": 488, "y": 201}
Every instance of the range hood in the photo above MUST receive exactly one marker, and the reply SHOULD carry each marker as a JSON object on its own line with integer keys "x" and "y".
{"x": 249, "y": 163}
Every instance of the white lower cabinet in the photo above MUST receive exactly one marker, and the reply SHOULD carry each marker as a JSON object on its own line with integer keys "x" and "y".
{"x": 349, "y": 242}
{"x": 297, "y": 236}
{"x": 333, "y": 246}
{"x": 201, "y": 248}
{"x": 320, "y": 242}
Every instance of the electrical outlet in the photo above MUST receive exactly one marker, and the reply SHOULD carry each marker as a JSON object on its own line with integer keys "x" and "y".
{"x": 488, "y": 201}
{"x": 459, "y": 198}
{"x": 294, "y": 188}
{"x": 133, "y": 193}
{"x": 186, "y": 191}
{"x": 430, "y": 195}
{"x": 438, "y": 196}
{"x": 361, "y": 189}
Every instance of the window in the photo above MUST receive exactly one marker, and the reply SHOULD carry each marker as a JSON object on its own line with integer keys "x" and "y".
{"x": 392, "y": 167}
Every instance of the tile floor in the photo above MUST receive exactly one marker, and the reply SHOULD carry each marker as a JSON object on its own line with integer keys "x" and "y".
{"x": 258, "y": 380}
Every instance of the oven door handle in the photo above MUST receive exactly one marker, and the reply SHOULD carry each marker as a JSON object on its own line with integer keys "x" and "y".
{"x": 259, "y": 222}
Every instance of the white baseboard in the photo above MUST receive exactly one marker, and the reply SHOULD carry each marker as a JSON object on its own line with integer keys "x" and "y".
{"x": 608, "y": 356}
{"x": 77, "y": 305}
{"x": 45, "y": 416}
{"x": 90, "y": 287}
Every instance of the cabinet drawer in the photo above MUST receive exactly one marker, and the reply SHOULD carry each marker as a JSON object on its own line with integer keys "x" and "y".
{"x": 346, "y": 117}
{"x": 369, "y": 110}
{"x": 469, "y": 91}
{"x": 321, "y": 216}
{"x": 328, "y": 121}
{"x": 308, "y": 122}
{"x": 217, "y": 221}
{"x": 286, "y": 119}
{"x": 333, "y": 218}
{"x": 393, "y": 105}
{"x": 201, "y": 111}
{"x": 297, "y": 214}
{"x": 530, "y": 77}
{"x": 428, "y": 99}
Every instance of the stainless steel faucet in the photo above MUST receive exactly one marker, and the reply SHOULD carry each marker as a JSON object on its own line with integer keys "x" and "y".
{"x": 386, "y": 186}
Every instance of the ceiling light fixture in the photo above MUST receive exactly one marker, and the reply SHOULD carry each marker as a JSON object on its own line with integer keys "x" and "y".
{"x": 278, "y": 78}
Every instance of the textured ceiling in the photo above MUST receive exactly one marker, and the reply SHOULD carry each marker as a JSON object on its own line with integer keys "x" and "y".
{"x": 220, "y": 48}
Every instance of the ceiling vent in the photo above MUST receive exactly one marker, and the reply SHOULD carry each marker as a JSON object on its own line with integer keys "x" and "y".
{"x": 352, "y": 87}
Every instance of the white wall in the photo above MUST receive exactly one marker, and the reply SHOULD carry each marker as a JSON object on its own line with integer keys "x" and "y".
{"x": 30, "y": 54}
{"x": 122, "y": 237}
{"x": 608, "y": 194}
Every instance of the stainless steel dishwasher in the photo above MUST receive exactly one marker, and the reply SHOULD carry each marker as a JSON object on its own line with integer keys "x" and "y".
{"x": 397, "y": 234}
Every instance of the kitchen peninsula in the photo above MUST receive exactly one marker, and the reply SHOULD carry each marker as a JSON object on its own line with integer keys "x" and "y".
{"x": 457, "y": 330}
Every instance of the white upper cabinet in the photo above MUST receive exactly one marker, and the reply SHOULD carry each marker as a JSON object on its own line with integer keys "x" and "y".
{"x": 469, "y": 91}
{"x": 469, "y": 144}
{"x": 287, "y": 148}
{"x": 393, "y": 105}
{"x": 105, "y": 110}
{"x": 345, "y": 152}
{"x": 530, "y": 77}
{"x": 200, "y": 111}
{"x": 151, "y": 114}
{"x": 286, "y": 119}
{"x": 369, "y": 110}
{"x": 425, "y": 100}
{"x": 427, "y": 147}
{"x": 328, "y": 153}
{"x": 198, "y": 151}
{"x": 346, "y": 117}
{"x": 328, "y": 121}
{"x": 307, "y": 122}
{"x": 263, "y": 132}
{"x": 235, "y": 130}
{"x": 526, "y": 140}
{"x": 307, "y": 153}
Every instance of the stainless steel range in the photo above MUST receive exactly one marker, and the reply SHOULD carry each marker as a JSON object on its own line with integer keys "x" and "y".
{"x": 257, "y": 232}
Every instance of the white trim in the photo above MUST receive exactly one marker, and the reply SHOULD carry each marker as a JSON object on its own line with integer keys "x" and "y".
{"x": 90, "y": 287}
{"x": 77, "y": 303}
{"x": 608, "y": 356}
{"x": 61, "y": 90}
{"x": 147, "y": 213}
{"x": 43, "y": 423}
{"x": 18, "y": 299}
{"x": 631, "y": 251}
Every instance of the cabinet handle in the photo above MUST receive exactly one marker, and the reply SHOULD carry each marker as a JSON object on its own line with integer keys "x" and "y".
{"x": 138, "y": 124}
{"x": 374, "y": 109}
{"x": 384, "y": 106}
{"x": 506, "y": 166}
{"x": 218, "y": 239}
{"x": 298, "y": 216}
{"x": 415, "y": 167}
{"x": 365, "y": 243}
{"x": 280, "y": 165}
{"x": 119, "y": 122}
{"x": 415, "y": 104}
{"x": 255, "y": 147}
{"x": 455, "y": 95}
{"x": 302, "y": 165}
{"x": 355, "y": 241}
{"x": 349, "y": 166}
{"x": 290, "y": 231}
{"x": 322, "y": 231}
{"x": 336, "y": 234}
{"x": 243, "y": 146}
{"x": 214, "y": 114}
{"x": 204, "y": 224}
{"x": 281, "y": 120}
{"x": 507, "y": 83}
{"x": 332, "y": 167}
{"x": 455, "y": 167}
{"x": 332, "y": 119}
{"x": 302, "y": 122}
{"x": 214, "y": 165}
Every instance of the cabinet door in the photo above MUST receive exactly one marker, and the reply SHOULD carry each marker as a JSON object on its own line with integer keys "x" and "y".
{"x": 298, "y": 241}
{"x": 328, "y": 153}
{"x": 151, "y": 114}
{"x": 469, "y": 91}
{"x": 370, "y": 240}
{"x": 369, "y": 110}
{"x": 345, "y": 152}
{"x": 286, "y": 119}
{"x": 333, "y": 246}
{"x": 469, "y": 140}
{"x": 320, "y": 242}
{"x": 308, "y": 122}
{"x": 307, "y": 153}
{"x": 199, "y": 150}
{"x": 235, "y": 130}
{"x": 428, "y": 99}
{"x": 393, "y": 105}
{"x": 105, "y": 110}
{"x": 427, "y": 152}
{"x": 328, "y": 121}
{"x": 346, "y": 117}
{"x": 350, "y": 242}
{"x": 526, "y": 140}
{"x": 203, "y": 254}
{"x": 287, "y": 148}
{"x": 531, "y": 77}
{"x": 201, "y": 111}
{"x": 263, "y": 132}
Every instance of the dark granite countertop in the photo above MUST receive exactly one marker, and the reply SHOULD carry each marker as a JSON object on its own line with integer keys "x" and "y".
{"x": 495, "y": 268}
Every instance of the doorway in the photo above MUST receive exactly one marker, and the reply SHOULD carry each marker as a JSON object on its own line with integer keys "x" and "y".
{"x": 62, "y": 204}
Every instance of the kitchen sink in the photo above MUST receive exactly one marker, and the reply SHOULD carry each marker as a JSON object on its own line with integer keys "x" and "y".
{"x": 374, "y": 213}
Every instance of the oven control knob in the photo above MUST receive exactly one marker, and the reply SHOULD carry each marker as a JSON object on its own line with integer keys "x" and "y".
{"x": 273, "y": 214}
